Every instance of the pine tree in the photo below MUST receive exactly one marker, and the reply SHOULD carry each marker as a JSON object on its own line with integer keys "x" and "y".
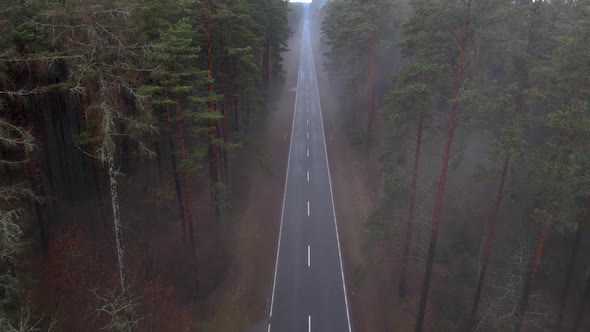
{"x": 564, "y": 158}
{"x": 354, "y": 31}
{"x": 410, "y": 105}
{"x": 106, "y": 66}
{"x": 19, "y": 146}
{"x": 422, "y": 36}
{"x": 505, "y": 102}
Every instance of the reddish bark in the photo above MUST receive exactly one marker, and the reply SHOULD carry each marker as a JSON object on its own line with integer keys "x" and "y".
{"x": 411, "y": 209}
{"x": 489, "y": 240}
{"x": 524, "y": 298}
{"x": 492, "y": 223}
{"x": 187, "y": 195}
{"x": 443, "y": 174}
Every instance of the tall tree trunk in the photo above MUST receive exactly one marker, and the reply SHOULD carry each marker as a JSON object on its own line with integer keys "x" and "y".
{"x": 54, "y": 114}
{"x": 36, "y": 189}
{"x": 236, "y": 117}
{"x": 177, "y": 185}
{"x": 411, "y": 209}
{"x": 187, "y": 199}
{"x": 583, "y": 304}
{"x": 62, "y": 112}
{"x": 185, "y": 181}
{"x": 43, "y": 133}
{"x": 524, "y": 297}
{"x": 492, "y": 223}
{"x": 7, "y": 170}
{"x": 266, "y": 63}
{"x": 108, "y": 157}
{"x": 568, "y": 278}
{"x": 443, "y": 174}
{"x": 224, "y": 167}
{"x": 489, "y": 240}
{"x": 158, "y": 153}
{"x": 213, "y": 174}
{"x": 117, "y": 224}
{"x": 34, "y": 176}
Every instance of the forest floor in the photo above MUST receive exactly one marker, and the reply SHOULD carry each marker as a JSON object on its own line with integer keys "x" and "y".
{"x": 242, "y": 301}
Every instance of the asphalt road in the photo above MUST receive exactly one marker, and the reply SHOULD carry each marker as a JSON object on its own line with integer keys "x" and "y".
{"x": 308, "y": 289}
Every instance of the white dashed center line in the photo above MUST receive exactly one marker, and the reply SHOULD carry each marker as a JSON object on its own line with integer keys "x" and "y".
{"x": 308, "y": 256}
{"x": 309, "y": 323}
{"x": 307, "y": 176}
{"x": 307, "y": 152}
{"x": 308, "y": 208}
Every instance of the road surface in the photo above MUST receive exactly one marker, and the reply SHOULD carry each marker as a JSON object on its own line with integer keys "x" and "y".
{"x": 308, "y": 289}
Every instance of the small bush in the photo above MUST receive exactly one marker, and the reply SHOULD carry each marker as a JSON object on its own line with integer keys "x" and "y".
{"x": 359, "y": 277}
{"x": 444, "y": 325}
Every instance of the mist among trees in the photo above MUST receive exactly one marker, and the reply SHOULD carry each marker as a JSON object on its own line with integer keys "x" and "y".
{"x": 482, "y": 142}
{"x": 120, "y": 127}
{"x": 143, "y": 147}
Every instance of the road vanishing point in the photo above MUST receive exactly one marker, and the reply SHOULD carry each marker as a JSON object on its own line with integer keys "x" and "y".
{"x": 309, "y": 292}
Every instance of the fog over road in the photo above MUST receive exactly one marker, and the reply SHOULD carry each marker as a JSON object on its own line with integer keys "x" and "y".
{"x": 308, "y": 290}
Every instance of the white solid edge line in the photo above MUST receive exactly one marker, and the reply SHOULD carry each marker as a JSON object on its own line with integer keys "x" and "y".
{"x": 308, "y": 256}
{"x": 331, "y": 193}
{"x": 274, "y": 282}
